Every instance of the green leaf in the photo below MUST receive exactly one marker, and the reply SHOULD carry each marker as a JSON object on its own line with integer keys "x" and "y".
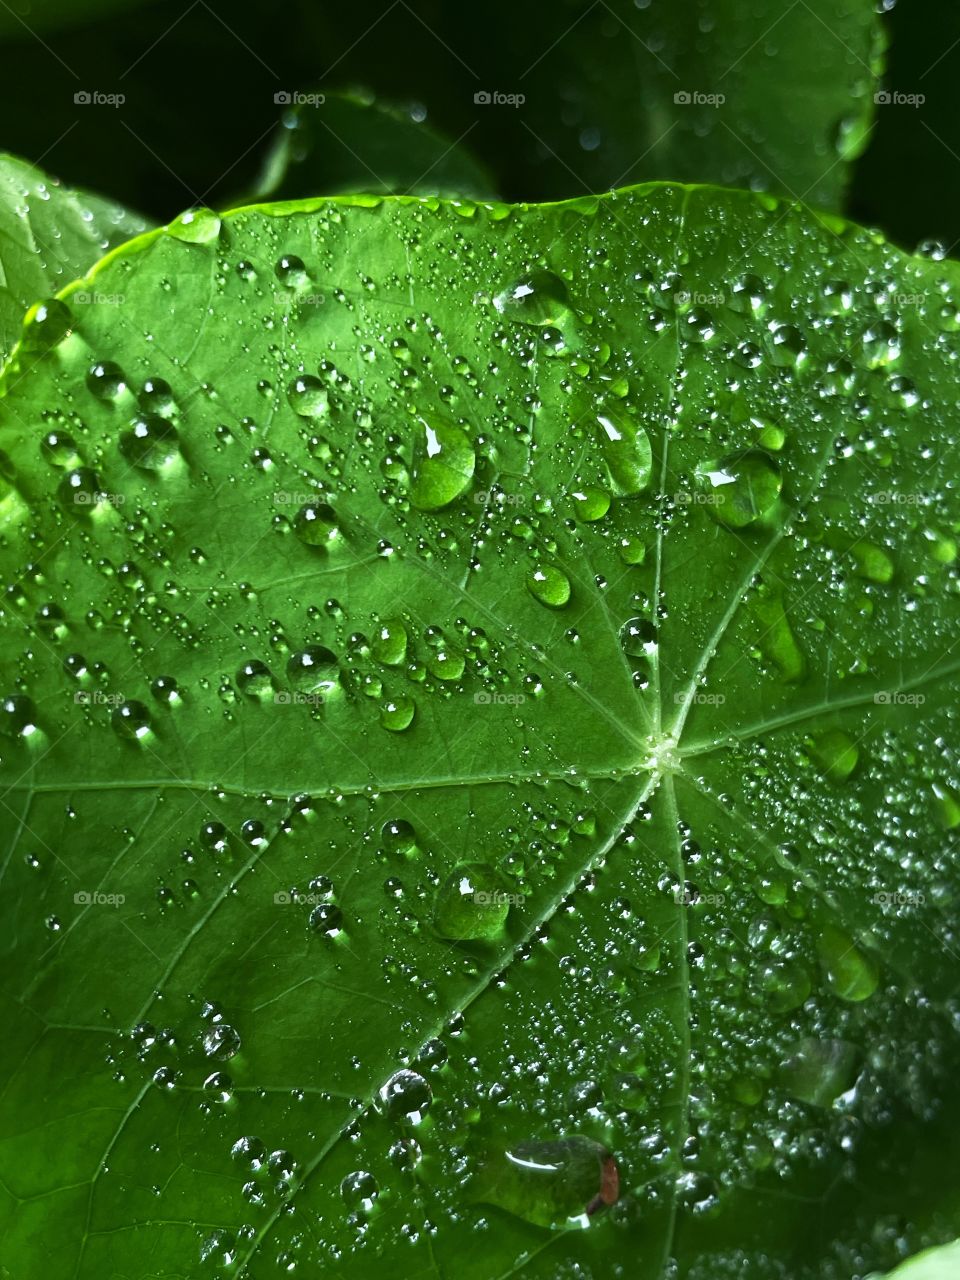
{"x": 772, "y": 96}
{"x": 24, "y": 18}
{"x": 49, "y": 234}
{"x": 434, "y": 820}
{"x": 584, "y": 96}
{"x": 341, "y": 144}
{"x": 932, "y": 1264}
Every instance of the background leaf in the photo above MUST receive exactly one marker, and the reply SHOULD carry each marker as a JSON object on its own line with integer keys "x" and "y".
{"x": 599, "y": 82}
{"x": 932, "y": 1264}
{"x": 49, "y": 235}
{"x": 346, "y": 143}
{"x": 609, "y": 545}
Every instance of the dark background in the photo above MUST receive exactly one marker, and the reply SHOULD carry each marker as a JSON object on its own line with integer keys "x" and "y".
{"x": 200, "y": 78}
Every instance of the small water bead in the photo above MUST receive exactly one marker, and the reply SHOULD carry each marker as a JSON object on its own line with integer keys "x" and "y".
{"x": 360, "y": 1190}
{"x": 472, "y": 903}
{"x": 748, "y": 295}
{"x": 850, "y": 973}
{"x": 157, "y": 396}
{"x": 151, "y": 442}
{"x": 590, "y": 504}
{"x": 835, "y": 754}
{"x": 291, "y": 271}
{"x": 106, "y": 380}
{"x": 221, "y": 1042}
{"x": 820, "y": 1071}
{"x": 196, "y": 226}
{"x": 219, "y": 1087}
{"x": 626, "y": 451}
{"x": 165, "y": 689}
{"x": 396, "y": 714}
{"x": 389, "y": 644}
{"x": 539, "y": 298}
{"x": 255, "y": 680}
{"x": 131, "y": 720}
{"x": 443, "y": 465}
{"x": 326, "y": 918}
{"x": 308, "y": 397}
{"x": 406, "y": 1096}
{"x": 554, "y": 1183}
{"x": 743, "y": 487}
{"x": 880, "y": 344}
{"x": 550, "y": 585}
{"x": 79, "y": 490}
{"x": 59, "y": 449}
{"x": 638, "y": 637}
{"x": 399, "y": 836}
{"x": 46, "y": 324}
{"x": 788, "y": 346}
{"x": 314, "y": 670}
{"x": 18, "y": 716}
{"x": 446, "y": 663}
{"x": 316, "y": 525}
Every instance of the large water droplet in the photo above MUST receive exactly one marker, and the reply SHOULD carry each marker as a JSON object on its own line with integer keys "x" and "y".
{"x": 472, "y": 902}
{"x": 626, "y": 451}
{"x": 443, "y": 465}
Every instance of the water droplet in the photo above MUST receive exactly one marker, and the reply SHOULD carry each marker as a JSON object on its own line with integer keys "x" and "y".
{"x": 539, "y": 298}
{"x": 221, "y": 1042}
{"x": 396, "y": 714}
{"x": 316, "y": 524}
{"x": 151, "y": 443}
{"x": 308, "y": 397}
{"x": 553, "y": 1183}
{"x": 406, "y": 1096}
{"x": 836, "y": 754}
{"x": 850, "y": 974}
{"x": 389, "y": 644}
{"x": 590, "y": 504}
{"x": 314, "y": 670}
{"x": 819, "y": 1071}
{"x": 472, "y": 903}
{"x": 743, "y": 487}
{"x": 550, "y": 585}
{"x": 131, "y": 720}
{"x": 626, "y": 451}
{"x": 196, "y": 226}
{"x": 443, "y": 465}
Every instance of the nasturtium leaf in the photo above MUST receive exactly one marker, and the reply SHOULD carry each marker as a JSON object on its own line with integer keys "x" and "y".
{"x": 345, "y": 143}
{"x": 702, "y": 761}
{"x": 49, "y": 235}
{"x": 574, "y": 95}
{"x": 931, "y": 1264}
